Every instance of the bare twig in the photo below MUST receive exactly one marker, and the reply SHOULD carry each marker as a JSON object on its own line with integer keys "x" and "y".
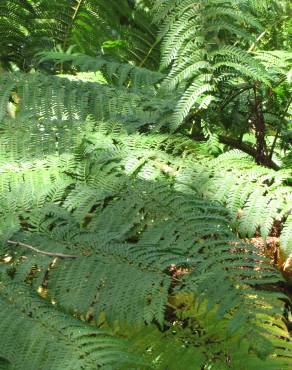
{"x": 51, "y": 254}
{"x": 149, "y": 52}
{"x": 256, "y": 41}
{"x": 235, "y": 94}
{"x": 274, "y": 144}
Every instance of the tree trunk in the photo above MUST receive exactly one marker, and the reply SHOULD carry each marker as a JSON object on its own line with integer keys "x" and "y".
{"x": 260, "y": 128}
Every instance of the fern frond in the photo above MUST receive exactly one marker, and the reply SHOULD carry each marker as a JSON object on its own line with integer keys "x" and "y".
{"x": 117, "y": 73}
{"x": 69, "y": 100}
{"x": 286, "y": 237}
{"x": 51, "y": 338}
{"x": 128, "y": 238}
{"x": 188, "y": 26}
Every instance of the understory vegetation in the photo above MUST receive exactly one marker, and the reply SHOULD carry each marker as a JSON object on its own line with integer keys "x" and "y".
{"x": 145, "y": 184}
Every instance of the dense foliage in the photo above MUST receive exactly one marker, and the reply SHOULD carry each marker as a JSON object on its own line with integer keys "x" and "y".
{"x": 145, "y": 154}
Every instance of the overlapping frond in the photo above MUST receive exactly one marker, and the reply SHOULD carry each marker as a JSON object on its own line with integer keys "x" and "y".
{"x": 128, "y": 217}
{"x": 123, "y": 246}
{"x": 63, "y": 98}
{"x": 117, "y": 73}
{"x": 53, "y": 339}
{"x": 91, "y": 25}
{"x": 198, "y": 48}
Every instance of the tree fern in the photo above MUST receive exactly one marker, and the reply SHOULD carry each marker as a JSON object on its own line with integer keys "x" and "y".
{"x": 197, "y": 51}
{"x": 126, "y": 232}
{"x": 90, "y": 25}
{"x": 122, "y": 245}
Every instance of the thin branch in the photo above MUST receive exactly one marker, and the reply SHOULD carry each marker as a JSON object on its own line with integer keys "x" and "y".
{"x": 278, "y": 131}
{"x": 247, "y": 149}
{"x": 274, "y": 144}
{"x": 272, "y": 26}
{"x": 51, "y": 254}
{"x": 70, "y": 26}
{"x": 256, "y": 41}
{"x": 234, "y": 95}
{"x": 148, "y": 54}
